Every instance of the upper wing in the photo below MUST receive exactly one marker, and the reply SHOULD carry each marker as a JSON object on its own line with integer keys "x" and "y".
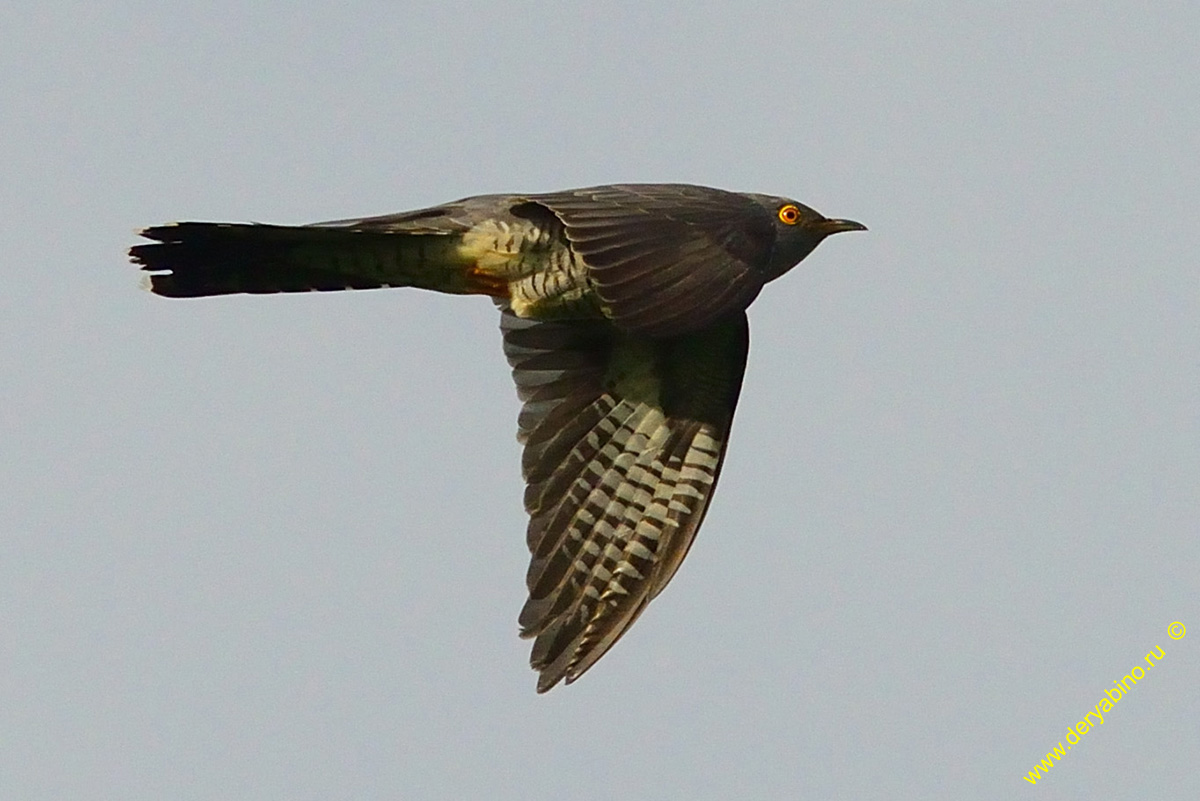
{"x": 624, "y": 437}
{"x": 667, "y": 258}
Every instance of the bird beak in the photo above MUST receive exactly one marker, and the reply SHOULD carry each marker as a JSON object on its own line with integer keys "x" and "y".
{"x": 837, "y": 226}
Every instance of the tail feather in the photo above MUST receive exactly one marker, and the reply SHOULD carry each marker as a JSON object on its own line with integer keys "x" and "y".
{"x": 197, "y": 259}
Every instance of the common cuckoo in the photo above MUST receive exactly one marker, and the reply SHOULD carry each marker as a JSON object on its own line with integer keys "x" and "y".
{"x": 623, "y": 313}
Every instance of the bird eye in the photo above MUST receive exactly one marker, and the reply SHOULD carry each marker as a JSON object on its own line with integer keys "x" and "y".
{"x": 789, "y": 214}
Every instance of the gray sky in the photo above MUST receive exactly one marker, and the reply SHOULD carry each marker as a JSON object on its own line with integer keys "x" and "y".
{"x": 273, "y": 547}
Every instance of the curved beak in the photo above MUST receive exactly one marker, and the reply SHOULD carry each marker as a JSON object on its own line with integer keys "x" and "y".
{"x": 837, "y": 226}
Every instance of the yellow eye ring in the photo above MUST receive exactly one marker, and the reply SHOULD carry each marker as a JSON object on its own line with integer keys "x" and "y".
{"x": 789, "y": 214}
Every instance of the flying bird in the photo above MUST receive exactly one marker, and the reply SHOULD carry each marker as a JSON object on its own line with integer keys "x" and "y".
{"x": 623, "y": 314}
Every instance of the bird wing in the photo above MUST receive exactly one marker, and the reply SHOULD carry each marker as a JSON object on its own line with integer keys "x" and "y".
{"x": 624, "y": 437}
{"x": 667, "y": 258}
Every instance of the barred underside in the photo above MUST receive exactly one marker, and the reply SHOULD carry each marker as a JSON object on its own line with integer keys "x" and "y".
{"x": 624, "y": 323}
{"x": 475, "y": 246}
{"x": 542, "y": 276}
{"x": 618, "y": 478}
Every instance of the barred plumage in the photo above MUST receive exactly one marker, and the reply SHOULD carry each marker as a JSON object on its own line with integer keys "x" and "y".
{"x": 619, "y": 474}
{"x": 623, "y": 318}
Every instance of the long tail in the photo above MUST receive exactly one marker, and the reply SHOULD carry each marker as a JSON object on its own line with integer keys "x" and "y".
{"x": 196, "y": 259}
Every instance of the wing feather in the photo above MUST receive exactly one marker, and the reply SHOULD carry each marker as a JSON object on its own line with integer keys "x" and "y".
{"x": 654, "y": 251}
{"x": 624, "y": 437}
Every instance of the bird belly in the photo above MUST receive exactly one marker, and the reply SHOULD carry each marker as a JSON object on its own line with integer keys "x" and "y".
{"x": 531, "y": 267}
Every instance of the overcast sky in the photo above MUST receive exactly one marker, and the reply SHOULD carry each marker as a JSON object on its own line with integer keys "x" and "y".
{"x": 273, "y": 547}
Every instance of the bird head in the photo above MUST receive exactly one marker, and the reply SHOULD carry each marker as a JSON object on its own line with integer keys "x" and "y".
{"x": 798, "y": 230}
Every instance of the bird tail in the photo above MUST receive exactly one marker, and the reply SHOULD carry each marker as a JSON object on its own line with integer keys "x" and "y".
{"x": 198, "y": 259}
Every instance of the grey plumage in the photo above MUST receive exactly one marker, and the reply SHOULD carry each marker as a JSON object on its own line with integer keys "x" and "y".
{"x": 623, "y": 319}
